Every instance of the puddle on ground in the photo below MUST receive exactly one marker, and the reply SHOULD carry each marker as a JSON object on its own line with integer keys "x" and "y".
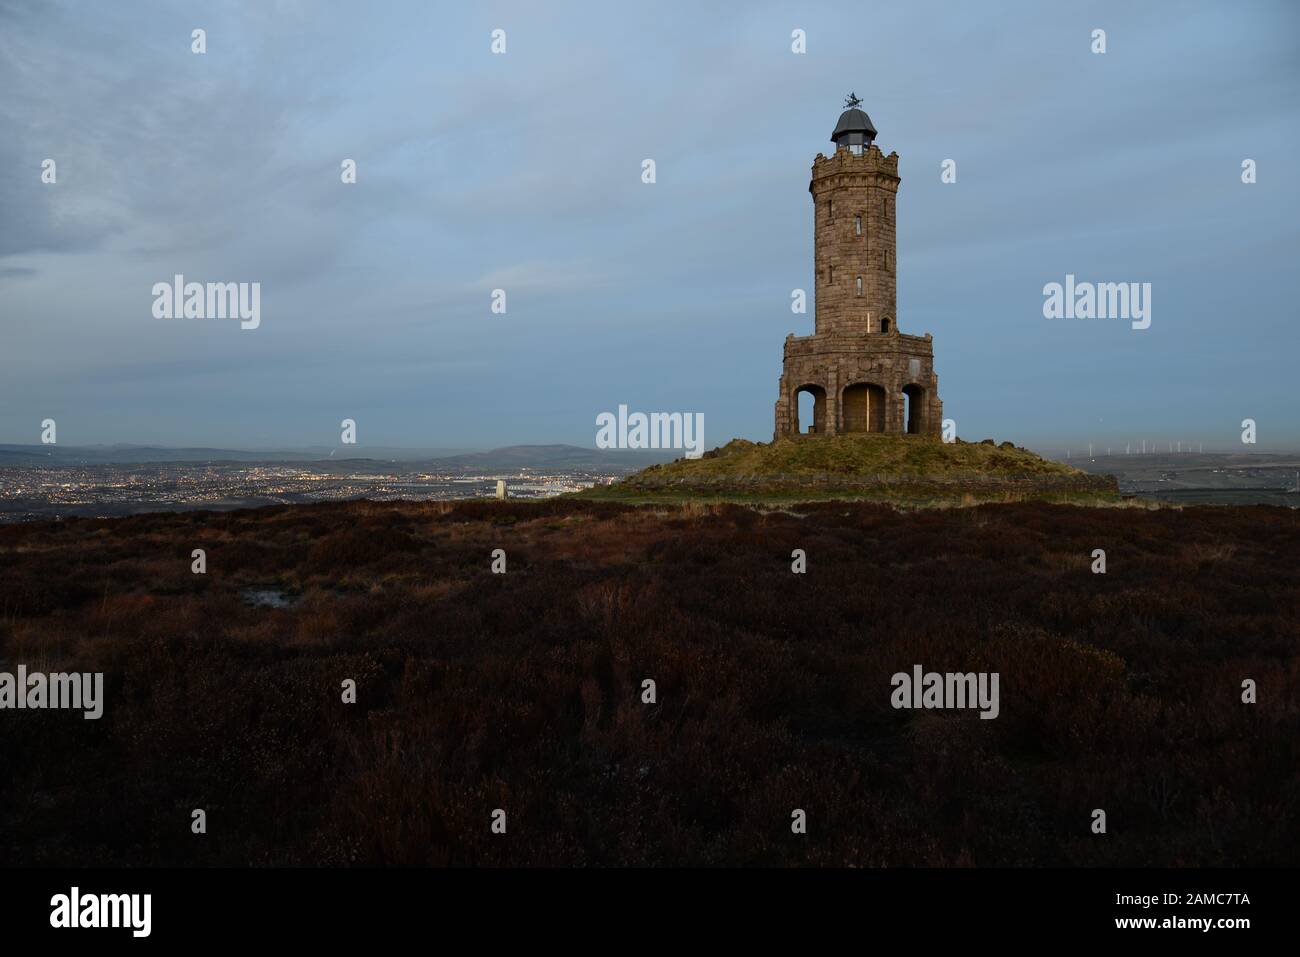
{"x": 267, "y": 598}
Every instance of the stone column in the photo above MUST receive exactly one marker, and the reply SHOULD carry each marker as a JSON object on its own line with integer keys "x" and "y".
{"x": 833, "y": 403}
{"x": 784, "y": 424}
{"x": 934, "y": 424}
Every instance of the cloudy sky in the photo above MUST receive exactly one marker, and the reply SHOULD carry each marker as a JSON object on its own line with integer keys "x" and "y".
{"x": 523, "y": 172}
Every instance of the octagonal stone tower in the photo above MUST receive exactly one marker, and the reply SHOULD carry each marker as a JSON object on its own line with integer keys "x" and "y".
{"x": 863, "y": 374}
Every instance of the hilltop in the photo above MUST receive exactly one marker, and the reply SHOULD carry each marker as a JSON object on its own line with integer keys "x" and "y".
{"x": 913, "y": 468}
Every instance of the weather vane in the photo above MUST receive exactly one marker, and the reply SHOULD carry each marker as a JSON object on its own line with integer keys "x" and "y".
{"x": 851, "y": 101}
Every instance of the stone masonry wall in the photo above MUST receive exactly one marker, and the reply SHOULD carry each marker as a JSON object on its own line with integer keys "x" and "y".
{"x": 853, "y": 238}
{"x": 834, "y": 363}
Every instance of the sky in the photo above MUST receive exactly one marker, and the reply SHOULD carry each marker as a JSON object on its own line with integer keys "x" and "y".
{"x": 522, "y": 171}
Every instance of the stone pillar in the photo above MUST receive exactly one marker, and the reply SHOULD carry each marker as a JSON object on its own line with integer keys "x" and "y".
{"x": 832, "y": 388}
{"x": 784, "y": 418}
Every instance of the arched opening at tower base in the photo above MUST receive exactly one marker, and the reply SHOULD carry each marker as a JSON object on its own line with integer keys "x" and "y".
{"x": 864, "y": 408}
{"x": 913, "y": 409}
{"x": 810, "y": 409}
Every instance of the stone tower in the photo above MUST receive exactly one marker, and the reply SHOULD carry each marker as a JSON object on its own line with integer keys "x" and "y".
{"x": 863, "y": 374}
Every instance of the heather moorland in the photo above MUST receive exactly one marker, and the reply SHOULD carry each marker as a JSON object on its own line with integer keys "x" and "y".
{"x": 524, "y": 691}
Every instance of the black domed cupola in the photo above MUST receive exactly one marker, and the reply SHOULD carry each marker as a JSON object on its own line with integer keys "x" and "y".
{"x": 854, "y": 130}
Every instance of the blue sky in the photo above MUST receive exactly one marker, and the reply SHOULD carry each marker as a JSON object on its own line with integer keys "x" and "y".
{"x": 523, "y": 172}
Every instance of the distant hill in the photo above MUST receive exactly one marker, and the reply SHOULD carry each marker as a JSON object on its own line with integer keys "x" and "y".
{"x": 137, "y": 454}
{"x": 512, "y": 457}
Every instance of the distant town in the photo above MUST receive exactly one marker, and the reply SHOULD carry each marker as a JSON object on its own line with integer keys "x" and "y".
{"x": 75, "y": 484}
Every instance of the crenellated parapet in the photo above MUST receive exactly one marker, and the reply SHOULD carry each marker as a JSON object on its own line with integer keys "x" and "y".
{"x": 844, "y": 168}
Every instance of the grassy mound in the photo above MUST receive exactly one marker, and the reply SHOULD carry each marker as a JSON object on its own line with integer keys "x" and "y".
{"x": 890, "y": 455}
{"x": 884, "y": 467}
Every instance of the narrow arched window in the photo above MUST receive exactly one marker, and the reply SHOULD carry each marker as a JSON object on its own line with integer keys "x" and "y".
{"x": 857, "y": 225}
{"x": 859, "y": 285}
{"x": 830, "y": 275}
